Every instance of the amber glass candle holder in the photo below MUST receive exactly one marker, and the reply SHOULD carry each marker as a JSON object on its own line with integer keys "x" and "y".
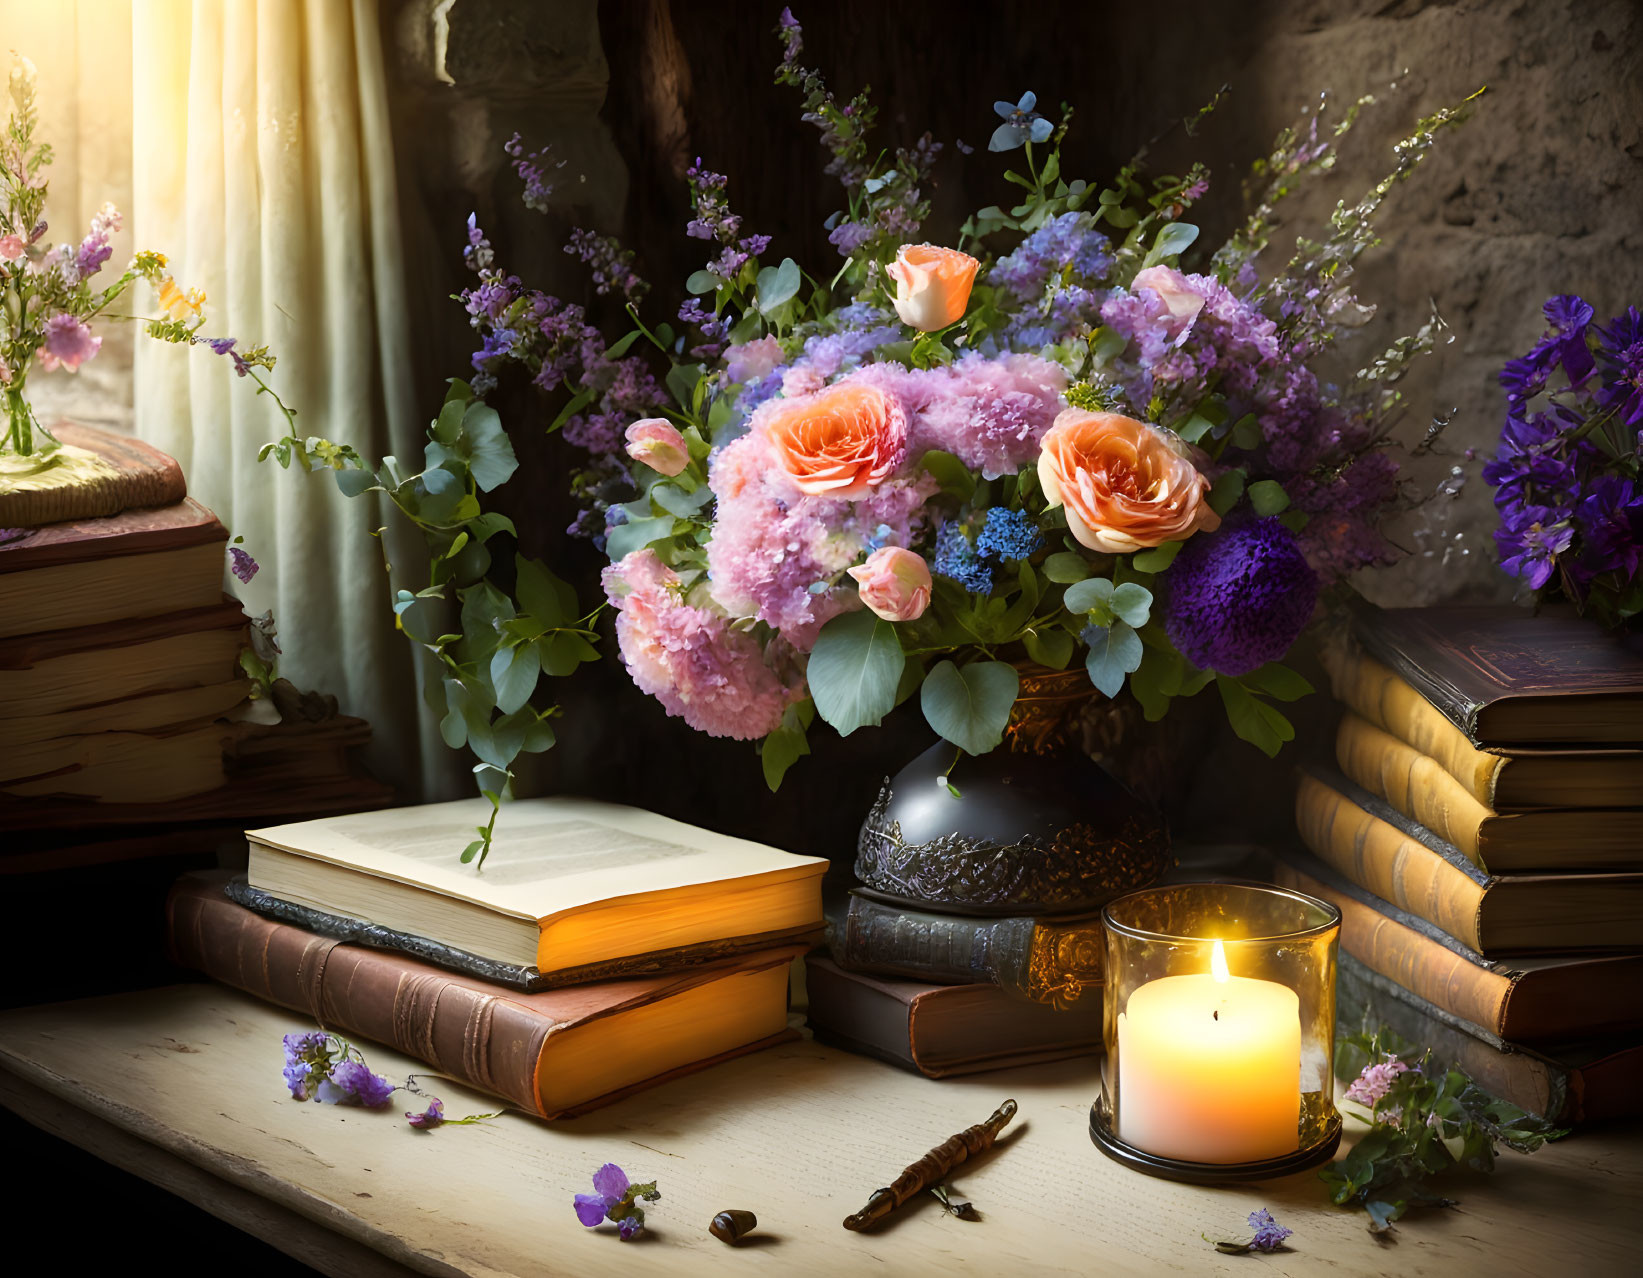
{"x": 1220, "y": 1032}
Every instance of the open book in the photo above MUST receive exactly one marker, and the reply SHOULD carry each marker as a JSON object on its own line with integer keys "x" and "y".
{"x": 573, "y": 889}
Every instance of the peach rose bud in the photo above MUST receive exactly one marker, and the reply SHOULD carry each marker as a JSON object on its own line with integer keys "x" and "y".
{"x": 841, "y": 442}
{"x": 655, "y": 442}
{"x": 932, "y": 285}
{"x": 1125, "y": 485}
{"x": 894, "y": 583}
{"x": 1171, "y": 287}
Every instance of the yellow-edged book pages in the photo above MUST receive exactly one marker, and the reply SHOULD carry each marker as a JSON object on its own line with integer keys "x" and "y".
{"x": 570, "y": 885}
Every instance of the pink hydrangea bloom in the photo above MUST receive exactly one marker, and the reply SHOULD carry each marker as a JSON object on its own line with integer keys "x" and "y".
{"x": 749, "y": 361}
{"x": 716, "y": 679}
{"x": 68, "y": 344}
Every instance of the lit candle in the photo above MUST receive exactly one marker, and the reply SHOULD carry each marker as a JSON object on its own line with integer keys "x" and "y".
{"x": 1209, "y": 1067}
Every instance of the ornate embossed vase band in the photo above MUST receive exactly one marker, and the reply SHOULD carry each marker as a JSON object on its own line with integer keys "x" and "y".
{"x": 1036, "y": 827}
{"x": 1220, "y": 1031}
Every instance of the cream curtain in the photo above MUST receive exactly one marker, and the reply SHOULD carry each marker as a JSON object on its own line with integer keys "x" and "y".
{"x": 264, "y": 169}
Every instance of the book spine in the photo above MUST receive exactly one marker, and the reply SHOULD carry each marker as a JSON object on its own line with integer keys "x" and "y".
{"x": 1413, "y": 783}
{"x": 1054, "y": 964}
{"x": 1378, "y": 695}
{"x": 478, "y": 1038}
{"x": 1525, "y": 1079}
{"x": 1466, "y": 988}
{"x": 1388, "y": 862}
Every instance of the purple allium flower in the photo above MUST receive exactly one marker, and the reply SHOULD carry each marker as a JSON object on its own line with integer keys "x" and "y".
{"x": 1269, "y": 1234}
{"x": 1238, "y": 598}
{"x": 241, "y": 564}
{"x": 1375, "y": 1081}
{"x": 352, "y": 1083}
{"x": 1009, "y": 534}
{"x": 429, "y": 1118}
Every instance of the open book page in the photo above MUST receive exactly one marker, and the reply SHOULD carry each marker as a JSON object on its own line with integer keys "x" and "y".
{"x": 547, "y": 856}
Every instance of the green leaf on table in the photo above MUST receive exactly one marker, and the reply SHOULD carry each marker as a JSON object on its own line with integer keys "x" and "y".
{"x": 1132, "y": 603}
{"x": 1157, "y": 558}
{"x": 1049, "y": 646}
{"x": 513, "y": 675}
{"x": 1258, "y": 723}
{"x": 1267, "y": 496}
{"x": 1066, "y": 567}
{"x": 1115, "y": 651}
{"x": 970, "y": 705}
{"x": 854, "y": 671}
{"x": 778, "y": 283}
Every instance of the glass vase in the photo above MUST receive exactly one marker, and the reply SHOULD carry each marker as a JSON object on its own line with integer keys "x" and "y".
{"x": 1220, "y": 1032}
{"x": 24, "y": 436}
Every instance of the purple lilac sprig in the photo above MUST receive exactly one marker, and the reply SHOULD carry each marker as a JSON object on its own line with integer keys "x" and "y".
{"x": 714, "y": 221}
{"x": 535, "y": 170}
{"x": 331, "y": 1071}
{"x": 1269, "y": 1236}
{"x": 615, "y": 1198}
{"x": 610, "y": 264}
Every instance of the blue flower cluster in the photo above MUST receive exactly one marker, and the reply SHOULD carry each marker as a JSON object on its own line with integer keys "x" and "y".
{"x": 1006, "y": 535}
{"x": 1240, "y": 597}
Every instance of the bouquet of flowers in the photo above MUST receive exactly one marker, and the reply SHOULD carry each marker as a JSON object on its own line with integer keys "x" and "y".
{"x": 1059, "y": 439}
{"x": 1566, "y": 471}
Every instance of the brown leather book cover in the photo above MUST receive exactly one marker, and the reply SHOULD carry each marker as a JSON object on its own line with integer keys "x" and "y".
{"x": 1505, "y": 676}
{"x": 131, "y": 532}
{"x": 942, "y": 1030}
{"x": 484, "y": 1035}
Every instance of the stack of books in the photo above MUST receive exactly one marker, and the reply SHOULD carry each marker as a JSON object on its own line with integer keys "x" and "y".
{"x": 1483, "y": 838}
{"x": 600, "y": 949}
{"x": 951, "y": 994}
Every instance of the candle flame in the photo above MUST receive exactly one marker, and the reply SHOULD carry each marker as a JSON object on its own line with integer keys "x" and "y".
{"x": 1218, "y": 963}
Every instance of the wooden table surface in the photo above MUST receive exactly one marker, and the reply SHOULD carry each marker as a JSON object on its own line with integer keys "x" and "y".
{"x": 182, "y": 1086}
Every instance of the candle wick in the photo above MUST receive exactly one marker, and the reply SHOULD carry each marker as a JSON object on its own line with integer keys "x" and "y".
{"x": 1216, "y": 1013}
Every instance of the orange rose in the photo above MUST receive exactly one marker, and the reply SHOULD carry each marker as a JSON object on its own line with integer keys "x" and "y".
{"x": 839, "y": 442}
{"x": 1125, "y": 485}
{"x": 932, "y": 285}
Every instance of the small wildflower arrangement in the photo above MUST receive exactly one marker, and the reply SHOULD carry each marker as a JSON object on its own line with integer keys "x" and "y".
{"x": 1269, "y": 1236}
{"x": 1566, "y": 472}
{"x": 331, "y": 1071}
{"x": 1069, "y": 434}
{"x": 1423, "y": 1121}
{"x": 616, "y": 1199}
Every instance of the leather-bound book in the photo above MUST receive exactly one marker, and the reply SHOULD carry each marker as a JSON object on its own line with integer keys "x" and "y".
{"x": 1575, "y": 1081}
{"x": 1378, "y": 848}
{"x": 1056, "y": 961}
{"x": 553, "y": 1054}
{"x": 1525, "y": 998}
{"x": 1418, "y": 786}
{"x": 89, "y": 572}
{"x": 938, "y": 1030}
{"x": 1514, "y": 780}
{"x": 1506, "y": 677}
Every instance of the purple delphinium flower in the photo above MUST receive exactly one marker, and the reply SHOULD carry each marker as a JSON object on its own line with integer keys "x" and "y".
{"x": 241, "y": 564}
{"x": 1620, "y": 350}
{"x": 1569, "y": 317}
{"x": 1530, "y": 539}
{"x": 1238, "y": 598}
{"x": 429, "y": 1118}
{"x": 613, "y": 1198}
{"x": 353, "y": 1083}
{"x": 1269, "y": 1234}
{"x": 1610, "y": 520}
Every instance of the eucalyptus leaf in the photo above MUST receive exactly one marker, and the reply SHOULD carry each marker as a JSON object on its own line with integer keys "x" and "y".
{"x": 636, "y": 534}
{"x": 1132, "y": 603}
{"x": 674, "y": 500}
{"x": 1226, "y": 490}
{"x": 355, "y": 483}
{"x": 1267, "y": 496}
{"x": 1115, "y": 651}
{"x": 1066, "y": 567}
{"x": 1088, "y": 595}
{"x": 854, "y": 671}
{"x": 491, "y": 459}
{"x": 778, "y": 283}
{"x": 513, "y": 674}
{"x": 970, "y": 705}
{"x": 1157, "y": 558}
{"x": 1172, "y": 241}
{"x": 700, "y": 282}
{"x": 782, "y": 748}
{"x": 1050, "y": 646}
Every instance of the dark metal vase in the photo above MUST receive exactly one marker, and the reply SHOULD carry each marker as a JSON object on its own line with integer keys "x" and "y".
{"x": 1036, "y": 826}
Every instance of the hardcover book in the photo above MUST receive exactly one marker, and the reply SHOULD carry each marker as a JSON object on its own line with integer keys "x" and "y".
{"x": 553, "y": 1054}
{"x": 89, "y": 572}
{"x": 1400, "y": 861}
{"x": 1513, "y": 780}
{"x": 940, "y": 1030}
{"x": 1053, "y": 961}
{"x": 571, "y": 886}
{"x": 1523, "y": 998}
{"x": 1581, "y": 1080}
{"x": 1506, "y": 677}
{"x": 1421, "y": 789}
{"x": 134, "y": 473}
